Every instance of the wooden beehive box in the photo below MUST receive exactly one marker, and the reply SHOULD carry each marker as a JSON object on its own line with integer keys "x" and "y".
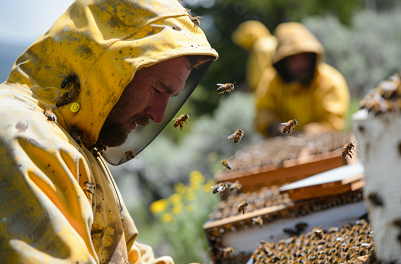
{"x": 334, "y": 199}
{"x": 284, "y": 160}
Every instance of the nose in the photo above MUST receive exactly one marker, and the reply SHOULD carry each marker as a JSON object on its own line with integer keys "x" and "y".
{"x": 156, "y": 110}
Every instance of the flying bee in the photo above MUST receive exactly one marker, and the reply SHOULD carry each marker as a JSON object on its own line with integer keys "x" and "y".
{"x": 242, "y": 207}
{"x": 221, "y": 187}
{"x": 226, "y": 163}
{"x": 257, "y": 220}
{"x": 289, "y": 125}
{"x": 68, "y": 96}
{"x": 50, "y": 115}
{"x": 347, "y": 149}
{"x": 236, "y": 186}
{"x": 88, "y": 188}
{"x": 237, "y": 136}
{"x": 196, "y": 21}
{"x": 225, "y": 88}
{"x": 180, "y": 121}
{"x": 78, "y": 136}
{"x": 227, "y": 251}
{"x": 129, "y": 155}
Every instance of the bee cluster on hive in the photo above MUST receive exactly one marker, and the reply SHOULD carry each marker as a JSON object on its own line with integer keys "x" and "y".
{"x": 277, "y": 150}
{"x": 292, "y": 210}
{"x": 350, "y": 244}
{"x": 386, "y": 97}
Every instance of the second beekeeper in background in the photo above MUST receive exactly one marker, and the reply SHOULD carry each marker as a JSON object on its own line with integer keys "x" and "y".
{"x": 255, "y": 38}
{"x": 300, "y": 85}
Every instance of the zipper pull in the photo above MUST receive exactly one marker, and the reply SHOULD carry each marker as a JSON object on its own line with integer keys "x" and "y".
{"x": 121, "y": 209}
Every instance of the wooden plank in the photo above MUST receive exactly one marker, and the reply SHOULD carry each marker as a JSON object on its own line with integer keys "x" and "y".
{"x": 353, "y": 178}
{"x": 266, "y": 176}
{"x": 240, "y": 217}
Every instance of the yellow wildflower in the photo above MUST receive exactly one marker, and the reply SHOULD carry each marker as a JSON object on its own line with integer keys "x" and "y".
{"x": 190, "y": 208}
{"x": 158, "y": 206}
{"x": 179, "y": 187}
{"x": 167, "y": 217}
{"x": 175, "y": 198}
{"x": 195, "y": 185}
{"x": 208, "y": 186}
{"x": 196, "y": 176}
{"x": 191, "y": 196}
{"x": 177, "y": 209}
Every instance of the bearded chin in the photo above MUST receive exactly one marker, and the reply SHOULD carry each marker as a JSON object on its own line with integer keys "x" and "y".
{"x": 112, "y": 134}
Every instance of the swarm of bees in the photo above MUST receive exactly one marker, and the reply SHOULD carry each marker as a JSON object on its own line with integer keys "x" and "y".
{"x": 222, "y": 186}
{"x": 78, "y": 136}
{"x": 290, "y": 125}
{"x": 347, "y": 149}
{"x": 72, "y": 92}
{"x": 225, "y": 88}
{"x": 242, "y": 207}
{"x": 50, "y": 115}
{"x": 237, "y": 136}
{"x": 351, "y": 244}
{"x": 180, "y": 121}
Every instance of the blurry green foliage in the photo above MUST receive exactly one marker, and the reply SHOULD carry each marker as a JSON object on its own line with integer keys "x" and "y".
{"x": 366, "y": 52}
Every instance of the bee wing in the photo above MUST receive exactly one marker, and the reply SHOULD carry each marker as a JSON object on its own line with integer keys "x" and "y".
{"x": 284, "y": 124}
{"x": 55, "y": 99}
{"x": 340, "y": 149}
{"x": 220, "y": 84}
{"x": 231, "y": 136}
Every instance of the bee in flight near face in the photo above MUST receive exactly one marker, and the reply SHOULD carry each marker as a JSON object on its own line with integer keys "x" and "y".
{"x": 237, "y": 136}
{"x": 221, "y": 187}
{"x": 225, "y": 88}
{"x": 242, "y": 207}
{"x": 289, "y": 125}
{"x": 129, "y": 155}
{"x": 236, "y": 186}
{"x": 50, "y": 115}
{"x": 347, "y": 149}
{"x": 71, "y": 94}
{"x": 180, "y": 121}
{"x": 196, "y": 21}
{"x": 226, "y": 163}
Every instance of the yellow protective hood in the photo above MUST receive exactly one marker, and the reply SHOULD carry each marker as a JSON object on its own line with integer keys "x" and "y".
{"x": 294, "y": 38}
{"x": 104, "y": 42}
{"x": 248, "y": 32}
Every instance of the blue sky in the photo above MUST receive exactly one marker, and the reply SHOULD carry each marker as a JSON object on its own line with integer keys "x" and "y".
{"x": 23, "y": 21}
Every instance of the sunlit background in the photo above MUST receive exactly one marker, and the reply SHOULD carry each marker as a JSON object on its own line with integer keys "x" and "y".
{"x": 361, "y": 39}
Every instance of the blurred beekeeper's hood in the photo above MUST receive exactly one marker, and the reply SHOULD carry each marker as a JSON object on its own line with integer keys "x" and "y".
{"x": 104, "y": 43}
{"x": 248, "y": 32}
{"x": 294, "y": 38}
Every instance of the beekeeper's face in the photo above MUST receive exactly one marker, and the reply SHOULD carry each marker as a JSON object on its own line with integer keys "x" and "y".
{"x": 145, "y": 98}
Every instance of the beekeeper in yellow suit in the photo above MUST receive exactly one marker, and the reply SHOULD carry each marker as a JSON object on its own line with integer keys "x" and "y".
{"x": 300, "y": 85}
{"x": 114, "y": 73}
{"x": 255, "y": 38}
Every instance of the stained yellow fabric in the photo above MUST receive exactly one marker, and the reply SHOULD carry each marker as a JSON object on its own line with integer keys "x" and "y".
{"x": 45, "y": 215}
{"x": 255, "y": 38}
{"x": 320, "y": 106}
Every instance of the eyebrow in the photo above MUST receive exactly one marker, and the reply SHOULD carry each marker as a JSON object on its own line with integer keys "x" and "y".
{"x": 166, "y": 88}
